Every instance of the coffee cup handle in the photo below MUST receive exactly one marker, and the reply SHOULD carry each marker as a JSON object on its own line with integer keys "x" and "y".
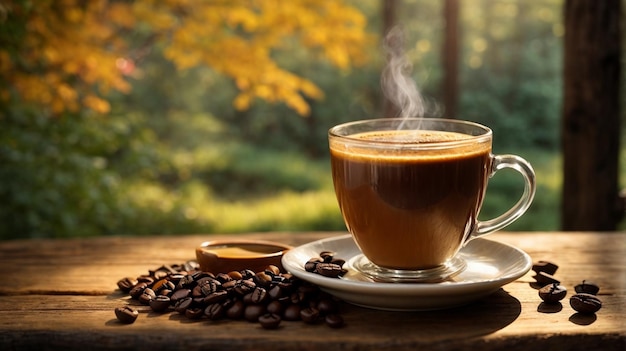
{"x": 526, "y": 170}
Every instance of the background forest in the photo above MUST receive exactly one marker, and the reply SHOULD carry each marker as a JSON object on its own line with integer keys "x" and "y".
{"x": 187, "y": 136}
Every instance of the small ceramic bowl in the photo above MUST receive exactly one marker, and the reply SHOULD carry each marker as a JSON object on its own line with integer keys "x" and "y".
{"x": 223, "y": 256}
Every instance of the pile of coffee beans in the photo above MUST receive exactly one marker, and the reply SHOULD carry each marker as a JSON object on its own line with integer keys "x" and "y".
{"x": 266, "y": 297}
{"x": 584, "y": 301}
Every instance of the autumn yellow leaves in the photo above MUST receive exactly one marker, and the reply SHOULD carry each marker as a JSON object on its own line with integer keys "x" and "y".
{"x": 68, "y": 55}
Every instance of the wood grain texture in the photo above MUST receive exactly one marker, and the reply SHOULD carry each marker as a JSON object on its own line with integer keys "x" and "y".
{"x": 60, "y": 294}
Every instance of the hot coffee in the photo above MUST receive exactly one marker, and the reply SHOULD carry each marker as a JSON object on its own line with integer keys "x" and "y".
{"x": 426, "y": 200}
{"x": 410, "y": 190}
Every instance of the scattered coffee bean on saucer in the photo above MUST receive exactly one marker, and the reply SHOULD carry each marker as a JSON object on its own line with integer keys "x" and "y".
{"x": 326, "y": 264}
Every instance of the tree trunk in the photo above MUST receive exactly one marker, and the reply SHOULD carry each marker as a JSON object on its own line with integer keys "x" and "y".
{"x": 389, "y": 20}
{"x": 590, "y": 121}
{"x": 450, "y": 58}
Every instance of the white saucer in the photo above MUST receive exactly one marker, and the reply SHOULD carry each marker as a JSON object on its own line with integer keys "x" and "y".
{"x": 490, "y": 265}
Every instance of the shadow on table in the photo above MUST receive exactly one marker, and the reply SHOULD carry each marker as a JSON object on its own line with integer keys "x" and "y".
{"x": 482, "y": 317}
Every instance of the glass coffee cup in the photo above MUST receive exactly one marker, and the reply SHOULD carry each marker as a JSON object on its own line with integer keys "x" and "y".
{"x": 410, "y": 191}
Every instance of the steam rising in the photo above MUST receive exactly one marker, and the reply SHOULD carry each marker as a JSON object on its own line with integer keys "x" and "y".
{"x": 397, "y": 85}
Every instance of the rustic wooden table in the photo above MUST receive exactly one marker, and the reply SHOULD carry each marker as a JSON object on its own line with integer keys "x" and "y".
{"x": 61, "y": 294}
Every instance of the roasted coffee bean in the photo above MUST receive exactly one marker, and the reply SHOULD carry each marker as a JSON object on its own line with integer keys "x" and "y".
{"x": 258, "y": 295}
{"x": 247, "y": 273}
{"x": 275, "y": 307}
{"x": 161, "y": 303}
{"x": 253, "y": 312}
{"x": 147, "y": 296}
{"x": 286, "y": 284}
{"x": 235, "y": 275}
{"x": 216, "y": 297}
{"x": 180, "y": 294}
{"x": 296, "y": 297}
{"x": 544, "y": 278}
{"x": 126, "y": 314}
{"x": 159, "y": 284}
{"x": 145, "y": 279}
{"x": 201, "y": 280}
{"x": 292, "y": 312}
{"x": 194, "y": 313}
{"x": 334, "y": 321}
{"x": 273, "y": 269}
{"x": 311, "y": 264}
{"x": 230, "y": 284}
{"x": 215, "y": 311}
{"x": 183, "y": 304}
{"x": 545, "y": 266}
{"x": 210, "y": 286}
{"x": 187, "y": 281}
{"x": 269, "y": 321}
{"x": 160, "y": 274}
{"x": 275, "y": 292}
{"x": 587, "y": 288}
{"x": 168, "y": 286}
{"x": 223, "y": 277}
{"x": 228, "y": 302}
{"x": 327, "y": 256}
{"x": 197, "y": 291}
{"x": 137, "y": 290}
{"x": 244, "y": 287}
{"x": 330, "y": 270}
{"x": 282, "y": 282}
{"x": 247, "y": 298}
{"x": 277, "y": 279}
{"x": 310, "y": 315}
{"x": 198, "y": 301}
{"x": 326, "y": 264}
{"x": 201, "y": 274}
{"x": 126, "y": 284}
{"x": 236, "y": 310}
{"x": 327, "y": 306}
{"x": 175, "y": 278}
{"x": 552, "y": 293}
{"x": 585, "y": 303}
{"x": 262, "y": 279}
{"x": 338, "y": 261}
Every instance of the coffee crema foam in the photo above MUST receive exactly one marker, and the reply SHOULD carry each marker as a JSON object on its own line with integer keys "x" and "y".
{"x": 408, "y": 138}
{"x": 412, "y": 136}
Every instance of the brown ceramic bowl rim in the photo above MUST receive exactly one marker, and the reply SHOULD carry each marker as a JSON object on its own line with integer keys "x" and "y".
{"x": 280, "y": 248}
{"x": 210, "y": 260}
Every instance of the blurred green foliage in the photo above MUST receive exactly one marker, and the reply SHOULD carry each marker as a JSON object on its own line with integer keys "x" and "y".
{"x": 174, "y": 156}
